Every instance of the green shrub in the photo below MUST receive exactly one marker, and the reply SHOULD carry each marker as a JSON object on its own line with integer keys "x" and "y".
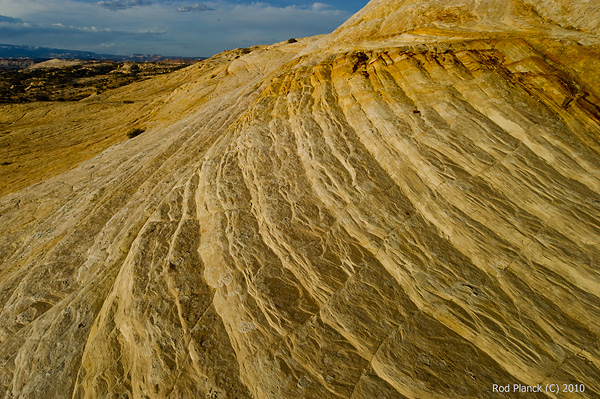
{"x": 292, "y": 40}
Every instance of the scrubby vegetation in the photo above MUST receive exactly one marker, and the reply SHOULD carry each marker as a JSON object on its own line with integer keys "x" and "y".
{"x": 72, "y": 83}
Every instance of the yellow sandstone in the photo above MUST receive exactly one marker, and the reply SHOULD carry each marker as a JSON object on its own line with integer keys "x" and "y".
{"x": 408, "y": 207}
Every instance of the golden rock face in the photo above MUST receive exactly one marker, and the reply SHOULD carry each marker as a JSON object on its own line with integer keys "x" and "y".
{"x": 402, "y": 218}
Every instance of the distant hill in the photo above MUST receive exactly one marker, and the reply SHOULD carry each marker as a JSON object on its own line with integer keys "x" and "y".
{"x": 9, "y": 51}
{"x": 73, "y": 79}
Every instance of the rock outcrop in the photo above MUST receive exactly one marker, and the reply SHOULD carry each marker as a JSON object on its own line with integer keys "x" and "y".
{"x": 406, "y": 208}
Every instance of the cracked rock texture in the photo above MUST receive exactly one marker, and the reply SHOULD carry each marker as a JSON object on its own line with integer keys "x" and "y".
{"x": 406, "y": 208}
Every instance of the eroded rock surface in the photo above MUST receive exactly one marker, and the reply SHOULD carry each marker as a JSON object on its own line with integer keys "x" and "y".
{"x": 387, "y": 218}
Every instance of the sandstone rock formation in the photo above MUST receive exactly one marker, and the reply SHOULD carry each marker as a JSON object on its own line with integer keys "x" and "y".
{"x": 406, "y": 208}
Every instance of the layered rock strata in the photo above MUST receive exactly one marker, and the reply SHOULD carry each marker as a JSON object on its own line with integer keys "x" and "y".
{"x": 327, "y": 220}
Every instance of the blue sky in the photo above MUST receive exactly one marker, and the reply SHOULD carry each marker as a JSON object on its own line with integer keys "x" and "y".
{"x": 168, "y": 27}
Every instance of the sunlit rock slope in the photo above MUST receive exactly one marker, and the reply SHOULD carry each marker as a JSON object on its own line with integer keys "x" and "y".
{"x": 406, "y": 208}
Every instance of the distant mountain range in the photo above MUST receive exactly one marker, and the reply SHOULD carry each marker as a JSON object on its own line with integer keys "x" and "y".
{"x": 44, "y": 53}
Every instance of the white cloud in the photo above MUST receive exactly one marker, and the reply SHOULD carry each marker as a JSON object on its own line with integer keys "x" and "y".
{"x": 116, "y": 5}
{"x": 193, "y": 7}
{"x": 168, "y": 28}
{"x": 321, "y": 7}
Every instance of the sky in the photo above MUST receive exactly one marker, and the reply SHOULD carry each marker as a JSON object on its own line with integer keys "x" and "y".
{"x": 166, "y": 27}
